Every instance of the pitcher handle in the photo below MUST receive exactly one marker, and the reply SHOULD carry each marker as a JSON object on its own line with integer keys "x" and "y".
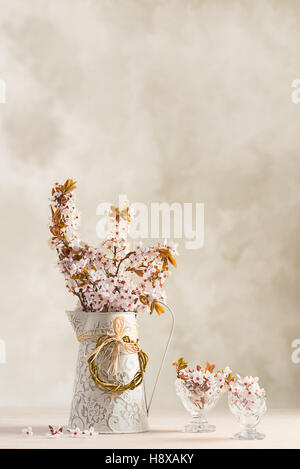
{"x": 164, "y": 355}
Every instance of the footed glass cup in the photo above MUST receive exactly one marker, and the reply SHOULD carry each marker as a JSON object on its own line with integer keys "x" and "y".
{"x": 248, "y": 419}
{"x": 197, "y": 404}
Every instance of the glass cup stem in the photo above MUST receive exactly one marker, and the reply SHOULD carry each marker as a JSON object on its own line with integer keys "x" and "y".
{"x": 199, "y": 424}
{"x": 199, "y": 419}
{"x": 249, "y": 433}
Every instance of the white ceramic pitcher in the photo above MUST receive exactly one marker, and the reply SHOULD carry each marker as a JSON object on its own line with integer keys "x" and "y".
{"x": 93, "y": 406}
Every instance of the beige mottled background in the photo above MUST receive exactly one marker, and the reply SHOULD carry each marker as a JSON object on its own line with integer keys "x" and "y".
{"x": 174, "y": 100}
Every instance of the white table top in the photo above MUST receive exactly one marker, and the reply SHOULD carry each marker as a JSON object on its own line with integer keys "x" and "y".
{"x": 282, "y": 429}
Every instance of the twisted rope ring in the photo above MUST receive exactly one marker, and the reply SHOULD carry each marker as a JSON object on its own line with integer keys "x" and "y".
{"x": 119, "y": 388}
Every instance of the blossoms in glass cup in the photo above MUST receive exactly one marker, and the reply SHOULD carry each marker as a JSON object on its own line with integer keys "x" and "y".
{"x": 199, "y": 390}
{"x": 247, "y": 402}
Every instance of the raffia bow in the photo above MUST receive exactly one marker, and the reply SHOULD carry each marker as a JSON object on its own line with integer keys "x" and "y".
{"x": 118, "y": 340}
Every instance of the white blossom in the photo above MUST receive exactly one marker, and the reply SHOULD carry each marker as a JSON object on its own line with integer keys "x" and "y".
{"x": 91, "y": 433}
{"x": 27, "y": 431}
{"x": 75, "y": 432}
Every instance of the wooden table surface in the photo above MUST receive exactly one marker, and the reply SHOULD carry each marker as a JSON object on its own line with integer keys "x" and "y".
{"x": 282, "y": 429}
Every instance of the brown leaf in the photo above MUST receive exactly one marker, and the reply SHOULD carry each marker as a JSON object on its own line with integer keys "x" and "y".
{"x": 181, "y": 364}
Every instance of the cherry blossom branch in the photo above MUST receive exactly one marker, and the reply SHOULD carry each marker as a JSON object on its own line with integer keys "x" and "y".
{"x": 97, "y": 276}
